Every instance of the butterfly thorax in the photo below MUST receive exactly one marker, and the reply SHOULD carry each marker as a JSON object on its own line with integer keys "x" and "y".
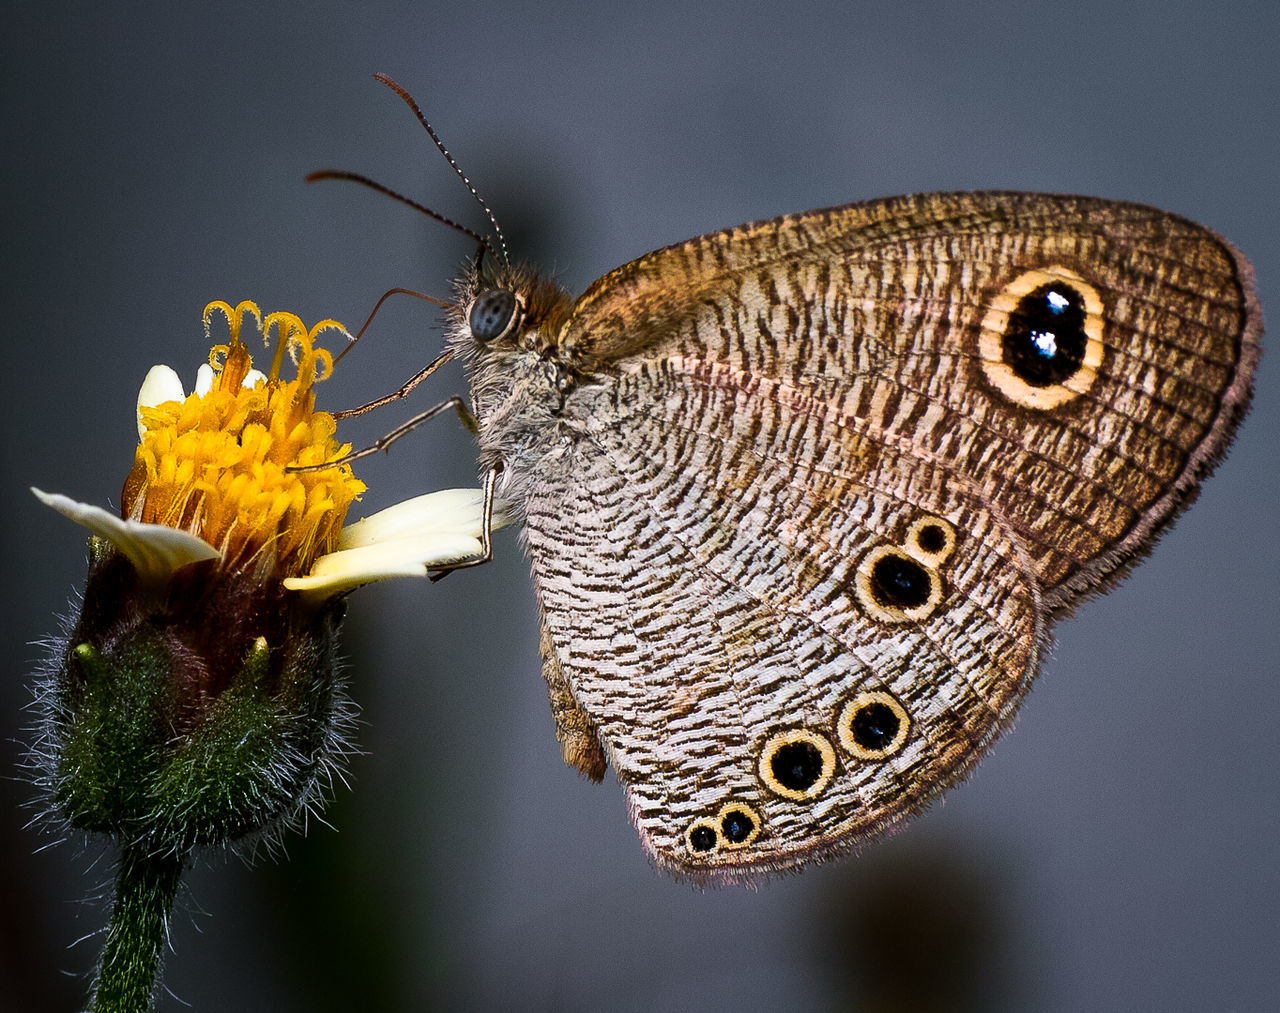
{"x": 521, "y": 376}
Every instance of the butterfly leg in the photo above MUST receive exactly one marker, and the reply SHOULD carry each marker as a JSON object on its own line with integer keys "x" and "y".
{"x": 406, "y": 388}
{"x": 486, "y": 532}
{"x": 575, "y": 731}
{"x": 383, "y": 442}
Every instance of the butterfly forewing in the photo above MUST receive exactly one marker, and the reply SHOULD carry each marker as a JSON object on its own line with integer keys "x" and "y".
{"x": 904, "y": 291}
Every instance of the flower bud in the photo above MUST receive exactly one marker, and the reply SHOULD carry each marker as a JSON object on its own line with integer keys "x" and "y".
{"x": 195, "y": 713}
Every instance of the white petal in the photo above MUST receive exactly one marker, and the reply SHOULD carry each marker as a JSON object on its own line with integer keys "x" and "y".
{"x": 204, "y": 379}
{"x": 161, "y": 384}
{"x": 155, "y": 551}
{"x": 407, "y": 557}
{"x": 252, "y": 377}
{"x": 409, "y": 539}
{"x": 451, "y": 511}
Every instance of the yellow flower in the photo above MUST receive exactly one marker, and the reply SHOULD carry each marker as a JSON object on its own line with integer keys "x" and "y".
{"x": 216, "y": 464}
{"x": 211, "y": 478}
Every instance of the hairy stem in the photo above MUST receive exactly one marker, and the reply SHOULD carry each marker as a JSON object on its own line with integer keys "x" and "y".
{"x": 145, "y": 889}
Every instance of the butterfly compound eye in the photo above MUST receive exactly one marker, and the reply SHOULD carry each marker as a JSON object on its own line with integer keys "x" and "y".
{"x": 493, "y": 314}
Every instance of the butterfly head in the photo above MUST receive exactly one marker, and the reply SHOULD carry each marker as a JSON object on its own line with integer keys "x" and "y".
{"x": 506, "y": 326}
{"x": 506, "y": 309}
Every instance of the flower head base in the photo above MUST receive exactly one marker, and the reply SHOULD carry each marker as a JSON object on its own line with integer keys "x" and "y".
{"x": 215, "y": 464}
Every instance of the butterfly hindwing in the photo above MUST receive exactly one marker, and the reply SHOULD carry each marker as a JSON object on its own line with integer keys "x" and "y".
{"x": 701, "y": 623}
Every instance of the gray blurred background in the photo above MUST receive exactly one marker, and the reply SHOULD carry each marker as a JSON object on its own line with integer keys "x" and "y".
{"x": 1117, "y": 851}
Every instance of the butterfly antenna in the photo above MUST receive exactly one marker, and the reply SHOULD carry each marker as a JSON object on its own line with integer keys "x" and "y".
{"x": 409, "y": 101}
{"x": 385, "y": 296}
{"x": 355, "y": 177}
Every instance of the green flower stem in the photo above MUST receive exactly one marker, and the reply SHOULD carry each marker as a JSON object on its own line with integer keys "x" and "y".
{"x": 145, "y": 888}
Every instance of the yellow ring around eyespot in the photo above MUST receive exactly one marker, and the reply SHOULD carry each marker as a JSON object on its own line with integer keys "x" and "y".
{"x": 891, "y": 613}
{"x": 912, "y": 545}
{"x": 751, "y": 814}
{"x": 688, "y": 838}
{"x": 844, "y": 726}
{"x": 776, "y": 742}
{"x": 991, "y": 337}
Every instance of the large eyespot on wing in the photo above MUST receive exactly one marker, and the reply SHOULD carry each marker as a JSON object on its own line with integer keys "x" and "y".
{"x": 1040, "y": 343}
{"x": 1115, "y": 358}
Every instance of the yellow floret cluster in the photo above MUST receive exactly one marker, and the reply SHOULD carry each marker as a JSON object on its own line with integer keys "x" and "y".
{"x": 216, "y": 464}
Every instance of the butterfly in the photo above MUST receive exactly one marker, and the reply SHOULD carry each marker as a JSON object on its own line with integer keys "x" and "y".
{"x": 804, "y": 498}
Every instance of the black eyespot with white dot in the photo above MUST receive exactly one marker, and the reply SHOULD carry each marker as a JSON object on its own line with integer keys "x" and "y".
{"x": 873, "y": 726}
{"x": 737, "y": 825}
{"x": 796, "y": 765}
{"x": 702, "y": 837}
{"x": 493, "y": 315}
{"x": 1040, "y": 342}
{"x": 1045, "y": 340}
{"x": 899, "y": 582}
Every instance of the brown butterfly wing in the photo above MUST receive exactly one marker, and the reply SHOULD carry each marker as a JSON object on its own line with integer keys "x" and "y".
{"x": 798, "y": 568}
{"x": 898, "y": 292}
